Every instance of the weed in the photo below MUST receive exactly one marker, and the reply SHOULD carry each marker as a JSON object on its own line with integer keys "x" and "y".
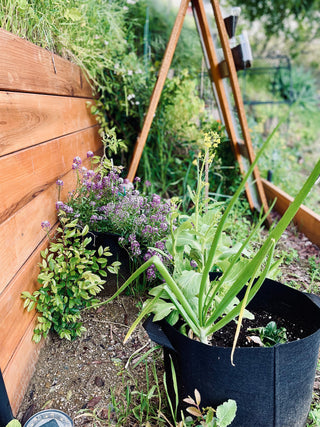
{"x": 314, "y": 271}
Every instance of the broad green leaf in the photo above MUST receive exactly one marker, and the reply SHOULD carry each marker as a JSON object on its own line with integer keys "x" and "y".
{"x": 26, "y": 294}
{"x": 31, "y": 306}
{"x": 162, "y": 309}
{"x": 226, "y": 413}
{"x": 13, "y": 423}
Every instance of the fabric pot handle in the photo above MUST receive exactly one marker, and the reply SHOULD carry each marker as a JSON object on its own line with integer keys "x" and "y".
{"x": 315, "y": 298}
{"x": 156, "y": 333}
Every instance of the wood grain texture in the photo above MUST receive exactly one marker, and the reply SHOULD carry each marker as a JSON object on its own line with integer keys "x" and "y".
{"x": 20, "y": 236}
{"x": 27, "y": 173}
{"x": 29, "y": 119}
{"x": 307, "y": 221}
{"x": 224, "y": 39}
{"x": 15, "y": 320}
{"x": 44, "y": 124}
{"x": 28, "y": 68}
{"x": 22, "y": 232}
{"x": 21, "y": 367}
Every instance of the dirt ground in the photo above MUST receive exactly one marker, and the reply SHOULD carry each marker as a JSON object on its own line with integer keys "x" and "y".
{"x": 79, "y": 377}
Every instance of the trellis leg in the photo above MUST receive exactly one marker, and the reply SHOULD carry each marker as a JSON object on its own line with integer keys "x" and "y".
{"x": 213, "y": 67}
{"x": 154, "y": 100}
{"x": 238, "y": 100}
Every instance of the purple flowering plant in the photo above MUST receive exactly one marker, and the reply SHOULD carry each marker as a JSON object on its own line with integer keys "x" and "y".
{"x": 199, "y": 245}
{"x": 106, "y": 202}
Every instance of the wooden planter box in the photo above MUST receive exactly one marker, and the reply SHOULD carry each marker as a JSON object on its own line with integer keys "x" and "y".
{"x": 44, "y": 124}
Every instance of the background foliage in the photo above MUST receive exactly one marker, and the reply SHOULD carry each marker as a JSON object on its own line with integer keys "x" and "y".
{"x": 120, "y": 44}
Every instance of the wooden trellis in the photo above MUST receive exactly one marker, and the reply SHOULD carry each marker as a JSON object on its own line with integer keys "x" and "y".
{"x": 242, "y": 146}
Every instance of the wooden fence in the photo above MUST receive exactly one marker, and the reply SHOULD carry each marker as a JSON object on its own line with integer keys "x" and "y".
{"x": 44, "y": 124}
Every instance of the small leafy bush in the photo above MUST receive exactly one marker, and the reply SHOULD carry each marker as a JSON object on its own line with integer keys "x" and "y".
{"x": 70, "y": 278}
{"x": 297, "y": 85}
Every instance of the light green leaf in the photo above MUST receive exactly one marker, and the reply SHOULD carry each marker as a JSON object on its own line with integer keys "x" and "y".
{"x": 85, "y": 230}
{"x": 162, "y": 309}
{"x": 14, "y": 423}
{"x": 226, "y": 413}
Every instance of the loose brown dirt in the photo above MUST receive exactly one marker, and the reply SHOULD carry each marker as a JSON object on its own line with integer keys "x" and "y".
{"x": 80, "y": 377}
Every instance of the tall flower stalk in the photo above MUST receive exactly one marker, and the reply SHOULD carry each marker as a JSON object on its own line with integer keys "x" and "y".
{"x": 208, "y": 306}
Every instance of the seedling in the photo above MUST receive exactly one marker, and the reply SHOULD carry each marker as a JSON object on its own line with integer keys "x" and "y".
{"x": 270, "y": 335}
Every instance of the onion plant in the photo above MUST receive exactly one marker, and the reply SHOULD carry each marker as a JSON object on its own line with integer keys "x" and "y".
{"x": 207, "y": 306}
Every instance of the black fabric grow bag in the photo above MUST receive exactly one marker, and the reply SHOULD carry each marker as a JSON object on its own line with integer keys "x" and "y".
{"x": 5, "y": 409}
{"x": 272, "y": 386}
{"x": 118, "y": 254}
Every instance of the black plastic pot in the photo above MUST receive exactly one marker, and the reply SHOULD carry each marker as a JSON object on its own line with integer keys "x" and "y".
{"x": 118, "y": 254}
{"x": 5, "y": 409}
{"x": 272, "y": 386}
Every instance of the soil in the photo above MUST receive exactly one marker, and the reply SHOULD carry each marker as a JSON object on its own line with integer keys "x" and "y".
{"x": 225, "y": 336}
{"x": 82, "y": 377}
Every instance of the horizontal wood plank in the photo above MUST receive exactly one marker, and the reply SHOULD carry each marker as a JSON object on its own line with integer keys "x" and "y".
{"x": 21, "y": 232}
{"x": 307, "y": 221}
{"x": 29, "y": 119}
{"x": 27, "y": 173}
{"x": 21, "y": 367}
{"x": 26, "y": 67}
{"x": 15, "y": 320}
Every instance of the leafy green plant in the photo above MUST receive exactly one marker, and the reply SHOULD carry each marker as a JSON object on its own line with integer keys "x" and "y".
{"x": 296, "y": 85}
{"x": 314, "y": 415}
{"x": 70, "y": 278}
{"x": 208, "y": 306}
{"x": 222, "y": 416}
{"x": 270, "y": 335}
{"x": 209, "y": 417}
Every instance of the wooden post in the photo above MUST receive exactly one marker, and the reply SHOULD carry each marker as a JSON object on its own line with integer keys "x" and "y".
{"x": 209, "y": 51}
{"x": 224, "y": 38}
{"x": 154, "y": 100}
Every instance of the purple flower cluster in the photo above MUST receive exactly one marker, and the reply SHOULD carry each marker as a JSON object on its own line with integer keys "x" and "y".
{"x": 76, "y": 162}
{"x": 45, "y": 225}
{"x": 108, "y": 203}
{"x": 64, "y": 207}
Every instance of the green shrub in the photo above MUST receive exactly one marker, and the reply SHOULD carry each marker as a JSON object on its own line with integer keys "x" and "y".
{"x": 70, "y": 278}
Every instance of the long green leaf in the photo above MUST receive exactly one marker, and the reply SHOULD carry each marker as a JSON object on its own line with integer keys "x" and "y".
{"x": 223, "y": 220}
{"x": 191, "y": 321}
{"x": 246, "y": 296}
{"x": 146, "y": 310}
{"x": 221, "y": 281}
